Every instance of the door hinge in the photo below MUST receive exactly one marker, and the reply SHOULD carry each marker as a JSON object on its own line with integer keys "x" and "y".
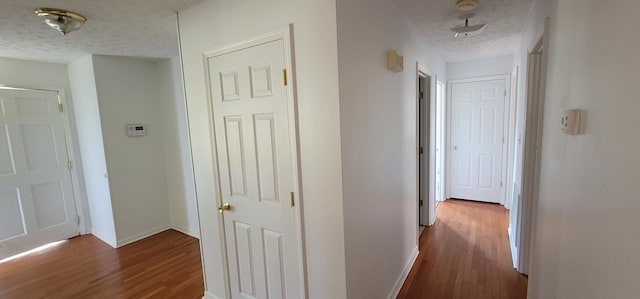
{"x": 505, "y": 92}
{"x": 284, "y": 77}
{"x": 78, "y": 219}
{"x": 60, "y": 107}
{"x": 421, "y": 95}
{"x": 420, "y": 202}
{"x": 291, "y": 197}
{"x": 69, "y": 165}
{"x": 500, "y": 184}
{"x": 420, "y": 150}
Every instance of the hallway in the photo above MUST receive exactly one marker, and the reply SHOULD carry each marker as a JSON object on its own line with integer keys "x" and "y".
{"x": 465, "y": 254}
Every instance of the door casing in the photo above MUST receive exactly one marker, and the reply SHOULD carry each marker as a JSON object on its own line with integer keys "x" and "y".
{"x": 506, "y": 115}
{"x": 286, "y": 36}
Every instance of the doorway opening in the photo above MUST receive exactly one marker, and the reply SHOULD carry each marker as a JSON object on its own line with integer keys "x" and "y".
{"x": 424, "y": 133}
{"x": 525, "y": 201}
{"x": 428, "y": 123}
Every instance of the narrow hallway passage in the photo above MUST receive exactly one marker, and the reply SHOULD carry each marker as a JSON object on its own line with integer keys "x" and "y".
{"x": 465, "y": 254}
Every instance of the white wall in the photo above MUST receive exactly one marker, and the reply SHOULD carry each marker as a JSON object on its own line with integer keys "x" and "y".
{"x": 480, "y": 68}
{"x": 177, "y": 150}
{"x": 134, "y": 90}
{"x": 378, "y": 119}
{"x": 213, "y": 24}
{"x": 92, "y": 149}
{"x": 127, "y": 94}
{"x": 54, "y": 76}
{"x": 586, "y": 242}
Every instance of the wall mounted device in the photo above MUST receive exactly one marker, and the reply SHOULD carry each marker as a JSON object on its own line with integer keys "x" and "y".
{"x": 395, "y": 61}
{"x": 570, "y": 122}
{"x": 136, "y": 130}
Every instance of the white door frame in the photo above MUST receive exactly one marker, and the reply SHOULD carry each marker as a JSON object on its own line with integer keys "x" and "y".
{"x": 536, "y": 87}
{"x": 513, "y": 105}
{"x": 78, "y": 196}
{"x": 441, "y": 130}
{"x": 286, "y": 36}
{"x": 505, "y": 133}
{"x": 428, "y": 207}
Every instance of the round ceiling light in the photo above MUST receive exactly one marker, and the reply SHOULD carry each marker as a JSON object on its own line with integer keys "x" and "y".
{"x": 61, "y": 20}
{"x": 466, "y": 5}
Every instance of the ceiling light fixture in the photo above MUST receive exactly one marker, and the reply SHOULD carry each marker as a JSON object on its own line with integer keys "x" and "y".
{"x": 467, "y": 30}
{"x": 466, "y": 5}
{"x": 61, "y": 20}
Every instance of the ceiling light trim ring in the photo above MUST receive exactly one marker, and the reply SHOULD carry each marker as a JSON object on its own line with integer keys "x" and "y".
{"x": 59, "y": 19}
{"x": 466, "y": 5}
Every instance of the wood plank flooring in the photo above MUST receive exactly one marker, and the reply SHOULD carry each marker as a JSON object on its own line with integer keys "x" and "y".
{"x": 465, "y": 254}
{"x": 166, "y": 265}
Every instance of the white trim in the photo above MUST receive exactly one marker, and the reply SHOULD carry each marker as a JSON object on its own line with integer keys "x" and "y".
{"x": 140, "y": 236}
{"x": 442, "y": 131}
{"x": 417, "y": 156}
{"x": 208, "y": 295}
{"x": 403, "y": 276}
{"x": 188, "y": 126}
{"x": 512, "y": 245}
{"x": 534, "y": 116}
{"x": 428, "y": 208}
{"x": 505, "y": 130}
{"x": 286, "y": 36}
{"x": 511, "y": 136}
{"x": 185, "y": 230}
{"x": 112, "y": 244}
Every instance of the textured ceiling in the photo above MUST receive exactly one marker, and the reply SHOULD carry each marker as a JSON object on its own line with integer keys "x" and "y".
{"x": 146, "y": 28}
{"x": 141, "y": 28}
{"x": 504, "y": 19}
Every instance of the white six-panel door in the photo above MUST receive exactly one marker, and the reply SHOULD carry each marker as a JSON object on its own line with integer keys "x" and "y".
{"x": 477, "y": 136}
{"x": 36, "y": 196}
{"x": 252, "y": 130}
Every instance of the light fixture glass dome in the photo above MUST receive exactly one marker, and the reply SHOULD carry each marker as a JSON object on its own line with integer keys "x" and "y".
{"x": 61, "y": 20}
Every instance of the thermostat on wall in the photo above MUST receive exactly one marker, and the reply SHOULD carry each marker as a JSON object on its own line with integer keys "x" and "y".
{"x": 136, "y": 130}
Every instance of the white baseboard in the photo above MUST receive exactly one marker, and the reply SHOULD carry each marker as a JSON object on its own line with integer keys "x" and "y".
{"x": 404, "y": 274}
{"x": 185, "y": 230}
{"x": 99, "y": 235}
{"x": 512, "y": 245}
{"x": 208, "y": 295}
{"x": 142, "y": 235}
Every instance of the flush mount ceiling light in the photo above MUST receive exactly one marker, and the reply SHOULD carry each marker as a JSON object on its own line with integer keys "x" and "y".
{"x": 467, "y": 30}
{"x": 60, "y": 19}
{"x": 466, "y": 5}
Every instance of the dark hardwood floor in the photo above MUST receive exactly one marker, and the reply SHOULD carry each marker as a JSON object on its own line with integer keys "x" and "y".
{"x": 166, "y": 265}
{"x": 465, "y": 254}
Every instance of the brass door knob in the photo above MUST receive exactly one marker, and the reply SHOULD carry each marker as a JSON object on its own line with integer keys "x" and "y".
{"x": 224, "y": 207}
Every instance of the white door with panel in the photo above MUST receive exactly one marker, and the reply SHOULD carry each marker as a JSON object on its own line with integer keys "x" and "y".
{"x": 256, "y": 153}
{"x": 477, "y": 137}
{"x": 37, "y": 204}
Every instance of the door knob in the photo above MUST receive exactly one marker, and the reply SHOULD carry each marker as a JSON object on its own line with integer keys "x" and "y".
{"x": 454, "y": 148}
{"x": 224, "y": 207}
